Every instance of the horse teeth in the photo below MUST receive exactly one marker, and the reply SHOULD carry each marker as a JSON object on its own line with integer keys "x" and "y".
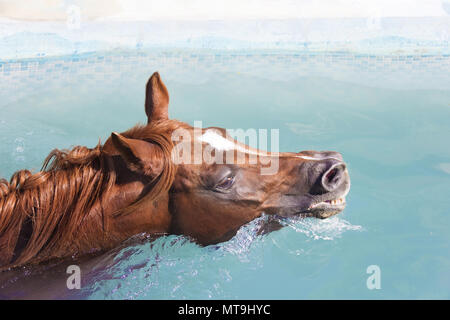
{"x": 331, "y": 202}
{"x": 337, "y": 201}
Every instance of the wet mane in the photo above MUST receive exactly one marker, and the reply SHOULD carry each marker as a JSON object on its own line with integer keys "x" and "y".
{"x": 41, "y": 213}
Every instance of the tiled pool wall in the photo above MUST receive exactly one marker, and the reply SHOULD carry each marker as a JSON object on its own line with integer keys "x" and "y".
{"x": 397, "y": 53}
{"x": 22, "y": 77}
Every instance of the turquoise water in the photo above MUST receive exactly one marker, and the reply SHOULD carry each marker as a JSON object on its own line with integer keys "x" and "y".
{"x": 390, "y": 122}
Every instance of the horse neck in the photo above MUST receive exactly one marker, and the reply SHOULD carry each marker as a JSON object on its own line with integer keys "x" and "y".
{"x": 127, "y": 206}
{"x": 35, "y": 208}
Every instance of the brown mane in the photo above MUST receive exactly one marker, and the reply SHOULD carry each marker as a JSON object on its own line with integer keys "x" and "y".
{"x": 42, "y": 213}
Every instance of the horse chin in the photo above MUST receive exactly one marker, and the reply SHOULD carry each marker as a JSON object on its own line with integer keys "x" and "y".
{"x": 322, "y": 213}
{"x": 325, "y": 209}
{"x": 314, "y": 209}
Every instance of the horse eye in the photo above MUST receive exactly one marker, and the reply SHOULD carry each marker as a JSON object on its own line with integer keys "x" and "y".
{"x": 226, "y": 183}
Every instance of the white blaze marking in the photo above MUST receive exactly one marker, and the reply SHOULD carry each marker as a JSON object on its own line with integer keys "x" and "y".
{"x": 317, "y": 159}
{"x": 308, "y": 158}
{"x": 217, "y": 141}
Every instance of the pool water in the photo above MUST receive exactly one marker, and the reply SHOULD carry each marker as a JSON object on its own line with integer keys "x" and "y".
{"x": 388, "y": 115}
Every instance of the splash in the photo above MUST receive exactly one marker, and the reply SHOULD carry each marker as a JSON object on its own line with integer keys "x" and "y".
{"x": 316, "y": 229}
{"x": 241, "y": 244}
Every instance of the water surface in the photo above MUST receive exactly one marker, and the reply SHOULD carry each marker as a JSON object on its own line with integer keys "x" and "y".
{"x": 388, "y": 116}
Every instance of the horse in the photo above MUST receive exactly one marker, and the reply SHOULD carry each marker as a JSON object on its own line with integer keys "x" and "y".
{"x": 87, "y": 200}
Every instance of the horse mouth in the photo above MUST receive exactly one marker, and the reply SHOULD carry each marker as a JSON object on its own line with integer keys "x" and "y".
{"x": 329, "y": 203}
{"x": 326, "y": 208}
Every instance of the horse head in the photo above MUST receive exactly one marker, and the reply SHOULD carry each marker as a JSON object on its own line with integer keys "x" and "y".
{"x": 221, "y": 184}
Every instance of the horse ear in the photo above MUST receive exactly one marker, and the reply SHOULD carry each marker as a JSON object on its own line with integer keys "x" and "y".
{"x": 156, "y": 99}
{"x": 140, "y": 156}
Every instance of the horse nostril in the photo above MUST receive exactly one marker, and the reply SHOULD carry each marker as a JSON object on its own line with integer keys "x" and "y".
{"x": 332, "y": 178}
{"x": 331, "y": 174}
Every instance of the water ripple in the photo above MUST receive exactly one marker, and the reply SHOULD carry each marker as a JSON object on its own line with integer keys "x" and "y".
{"x": 176, "y": 267}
